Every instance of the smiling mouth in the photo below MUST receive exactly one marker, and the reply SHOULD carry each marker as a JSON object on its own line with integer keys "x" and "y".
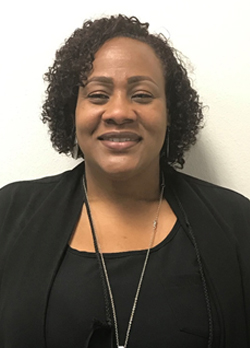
{"x": 119, "y": 142}
{"x": 120, "y": 137}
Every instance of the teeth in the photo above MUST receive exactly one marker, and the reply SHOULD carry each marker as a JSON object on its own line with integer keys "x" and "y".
{"x": 117, "y": 140}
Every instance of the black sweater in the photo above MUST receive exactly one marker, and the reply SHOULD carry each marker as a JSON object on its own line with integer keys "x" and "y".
{"x": 36, "y": 222}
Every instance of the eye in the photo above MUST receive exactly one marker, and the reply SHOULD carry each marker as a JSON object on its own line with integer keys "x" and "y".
{"x": 98, "y": 98}
{"x": 143, "y": 98}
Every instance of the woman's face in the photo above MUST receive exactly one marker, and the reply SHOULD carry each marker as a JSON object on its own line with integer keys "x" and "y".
{"x": 121, "y": 113}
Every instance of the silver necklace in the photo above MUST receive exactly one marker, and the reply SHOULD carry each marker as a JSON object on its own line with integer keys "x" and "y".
{"x": 105, "y": 271}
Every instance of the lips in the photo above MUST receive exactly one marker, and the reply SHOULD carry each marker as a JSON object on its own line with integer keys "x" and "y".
{"x": 120, "y": 136}
{"x": 119, "y": 141}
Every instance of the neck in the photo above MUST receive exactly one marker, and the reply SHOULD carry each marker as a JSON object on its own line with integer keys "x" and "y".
{"x": 143, "y": 186}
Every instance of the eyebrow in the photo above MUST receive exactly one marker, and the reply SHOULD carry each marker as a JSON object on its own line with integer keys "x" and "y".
{"x": 109, "y": 80}
{"x": 134, "y": 79}
{"x": 103, "y": 79}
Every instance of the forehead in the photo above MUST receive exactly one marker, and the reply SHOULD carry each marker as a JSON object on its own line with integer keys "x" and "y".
{"x": 127, "y": 57}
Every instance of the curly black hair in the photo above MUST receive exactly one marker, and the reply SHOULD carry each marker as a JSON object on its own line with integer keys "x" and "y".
{"x": 74, "y": 61}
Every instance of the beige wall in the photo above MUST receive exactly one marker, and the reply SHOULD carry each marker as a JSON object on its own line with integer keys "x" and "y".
{"x": 214, "y": 35}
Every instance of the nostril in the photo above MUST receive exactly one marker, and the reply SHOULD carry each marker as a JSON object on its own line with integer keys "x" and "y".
{"x": 119, "y": 121}
{"x": 110, "y": 121}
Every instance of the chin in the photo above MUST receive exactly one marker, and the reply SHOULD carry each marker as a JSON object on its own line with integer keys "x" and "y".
{"x": 128, "y": 171}
{"x": 120, "y": 171}
{"x": 122, "y": 167}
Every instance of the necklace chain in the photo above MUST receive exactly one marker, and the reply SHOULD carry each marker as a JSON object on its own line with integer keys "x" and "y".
{"x": 155, "y": 224}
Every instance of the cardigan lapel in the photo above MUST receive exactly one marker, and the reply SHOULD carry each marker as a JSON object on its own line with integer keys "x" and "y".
{"x": 35, "y": 258}
{"x": 218, "y": 255}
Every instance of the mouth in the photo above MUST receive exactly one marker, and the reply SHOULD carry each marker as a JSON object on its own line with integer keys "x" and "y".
{"x": 120, "y": 137}
{"x": 119, "y": 141}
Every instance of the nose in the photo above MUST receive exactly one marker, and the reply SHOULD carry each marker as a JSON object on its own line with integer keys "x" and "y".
{"x": 119, "y": 111}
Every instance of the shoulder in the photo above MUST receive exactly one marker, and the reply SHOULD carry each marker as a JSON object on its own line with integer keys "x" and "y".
{"x": 22, "y": 192}
{"x": 20, "y": 202}
{"x": 213, "y": 192}
{"x": 20, "y": 195}
{"x": 45, "y": 183}
{"x": 218, "y": 210}
{"x": 23, "y": 186}
{"x": 226, "y": 205}
{"x": 223, "y": 203}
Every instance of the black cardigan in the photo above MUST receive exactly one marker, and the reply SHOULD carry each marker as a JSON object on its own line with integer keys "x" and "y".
{"x": 38, "y": 217}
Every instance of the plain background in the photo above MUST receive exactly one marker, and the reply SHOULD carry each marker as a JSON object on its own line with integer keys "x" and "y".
{"x": 215, "y": 37}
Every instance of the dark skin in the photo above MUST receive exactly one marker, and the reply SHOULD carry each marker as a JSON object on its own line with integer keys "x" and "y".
{"x": 121, "y": 121}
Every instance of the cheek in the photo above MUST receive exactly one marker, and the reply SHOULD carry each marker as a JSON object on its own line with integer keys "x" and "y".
{"x": 161, "y": 129}
{"x": 86, "y": 120}
{"x": 158, "y": 122}
{"x": 161, "y": 135}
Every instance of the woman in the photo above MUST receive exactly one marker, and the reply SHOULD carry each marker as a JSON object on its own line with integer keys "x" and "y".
{"x": 123, "y": 251}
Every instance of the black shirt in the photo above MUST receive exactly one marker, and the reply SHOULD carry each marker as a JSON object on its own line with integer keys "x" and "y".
{"x": 171, "y": 310}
